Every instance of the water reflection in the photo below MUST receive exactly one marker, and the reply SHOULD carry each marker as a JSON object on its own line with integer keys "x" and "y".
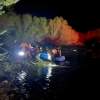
{"x": 31, "y": 81}
{"x": 49, "y": 72}
{"x": 46, "y": 74}
{"x": 40, "y": 77}
{"x": 21, "y": 76}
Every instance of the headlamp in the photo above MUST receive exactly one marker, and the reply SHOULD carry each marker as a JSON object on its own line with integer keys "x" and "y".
{"x": 21, "y": 53}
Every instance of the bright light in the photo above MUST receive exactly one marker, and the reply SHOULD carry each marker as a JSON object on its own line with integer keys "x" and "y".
{"x": 49, "y": 57}
{"x": 21, "y": 53}
{"x": 75, "y": 50}
{"x": 49, "y": 73}
{"x": 21, "y": 76}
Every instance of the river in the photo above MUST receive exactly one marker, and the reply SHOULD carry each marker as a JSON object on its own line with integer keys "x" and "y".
{"x": 45, "y": 83}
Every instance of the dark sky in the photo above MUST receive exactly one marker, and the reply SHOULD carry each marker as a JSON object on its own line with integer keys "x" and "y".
{"x": 77, "y": 18}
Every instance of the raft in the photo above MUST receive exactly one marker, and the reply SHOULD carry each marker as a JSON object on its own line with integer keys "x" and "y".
{"x": 47, "y": 57}
{"x": 44, "y": 56}
{"x": 60, "y": 58}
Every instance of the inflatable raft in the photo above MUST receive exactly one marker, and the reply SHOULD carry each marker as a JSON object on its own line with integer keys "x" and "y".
{"x": 47, "y": 57}
{"x": 59, "y": 59}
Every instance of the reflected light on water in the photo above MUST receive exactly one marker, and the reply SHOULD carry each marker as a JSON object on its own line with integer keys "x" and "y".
{"x": 21, "y": 76}
{"x": 49, "y": 73}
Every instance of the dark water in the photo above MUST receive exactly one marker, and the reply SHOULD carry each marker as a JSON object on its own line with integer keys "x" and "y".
{"x": 74, "y": 79}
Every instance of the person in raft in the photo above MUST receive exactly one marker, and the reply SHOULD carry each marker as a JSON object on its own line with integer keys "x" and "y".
{"x": 57, "y": 55}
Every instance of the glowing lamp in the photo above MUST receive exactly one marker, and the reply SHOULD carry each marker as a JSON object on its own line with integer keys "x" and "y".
{"x": 21, "y": 53}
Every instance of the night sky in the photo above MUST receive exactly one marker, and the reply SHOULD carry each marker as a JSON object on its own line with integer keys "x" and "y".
{"x": 77, "y": 18}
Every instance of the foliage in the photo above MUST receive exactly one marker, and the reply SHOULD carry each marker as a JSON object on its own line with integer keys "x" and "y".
{"x": 61, "y": 32}
{"x": 16, "y": 29}
{"x": 19, "y": 30}
{"x": 55, "y": 26}
{"x": 40, "y": 27}
{"x": 6, "y": 3}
